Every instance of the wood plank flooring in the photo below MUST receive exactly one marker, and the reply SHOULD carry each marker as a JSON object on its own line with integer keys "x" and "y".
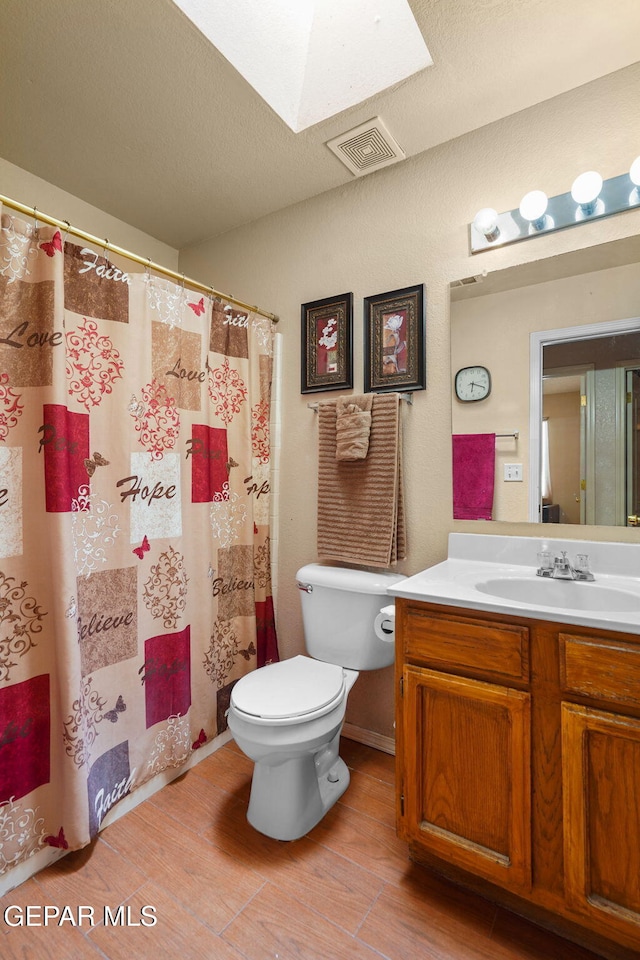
{"x": 221, "y": 891}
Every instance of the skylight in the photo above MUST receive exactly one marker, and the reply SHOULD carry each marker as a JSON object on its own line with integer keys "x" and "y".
{"x": 311, "y": 59}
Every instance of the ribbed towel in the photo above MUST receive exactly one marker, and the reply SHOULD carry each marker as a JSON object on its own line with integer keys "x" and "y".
{"x": 360, "y": 503}
{"x": 353, "y": 426}
{"x": 474, "y": 456}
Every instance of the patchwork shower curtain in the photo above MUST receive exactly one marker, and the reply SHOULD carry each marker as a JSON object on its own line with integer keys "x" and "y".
{"x": 134, "y": 530}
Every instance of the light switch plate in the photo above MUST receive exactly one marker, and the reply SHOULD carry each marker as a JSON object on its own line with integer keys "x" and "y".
{"x": 513, "y": 471}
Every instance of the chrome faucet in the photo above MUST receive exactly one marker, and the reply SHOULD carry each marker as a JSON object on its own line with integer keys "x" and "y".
{"x": 562, "y": 569}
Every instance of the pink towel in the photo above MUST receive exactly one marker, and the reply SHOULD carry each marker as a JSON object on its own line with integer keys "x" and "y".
{"x": 474, "y": 456}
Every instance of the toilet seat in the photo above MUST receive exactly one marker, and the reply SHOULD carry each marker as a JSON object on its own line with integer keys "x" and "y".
{"x": 292, "y": 691}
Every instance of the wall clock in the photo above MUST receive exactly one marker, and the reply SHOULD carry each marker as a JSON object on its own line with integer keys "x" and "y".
{"x": 472, "y": 383}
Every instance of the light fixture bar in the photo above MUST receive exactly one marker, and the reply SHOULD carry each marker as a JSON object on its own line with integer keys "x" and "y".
{"x": 617, "y": 195}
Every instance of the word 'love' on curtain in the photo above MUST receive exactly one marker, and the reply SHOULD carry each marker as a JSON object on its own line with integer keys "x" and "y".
{"x": 135, "y": 580}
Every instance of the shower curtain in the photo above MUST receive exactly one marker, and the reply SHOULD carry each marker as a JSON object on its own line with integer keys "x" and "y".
{"x": 135, "y": 580}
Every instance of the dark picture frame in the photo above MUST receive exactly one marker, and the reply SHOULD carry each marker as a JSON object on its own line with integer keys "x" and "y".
{"x": 394, "y": 341}
{"x": 327, "y": 343}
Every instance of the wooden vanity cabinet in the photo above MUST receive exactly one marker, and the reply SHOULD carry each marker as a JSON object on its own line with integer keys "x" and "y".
{"x": 518, "y": 765}
{"x": 601, "y": 779}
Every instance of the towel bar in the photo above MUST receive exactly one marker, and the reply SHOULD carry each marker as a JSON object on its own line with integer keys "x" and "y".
{"x": 407, "y": 397}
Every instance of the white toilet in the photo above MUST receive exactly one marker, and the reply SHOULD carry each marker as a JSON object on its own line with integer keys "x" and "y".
{"x": 287, "y": 716}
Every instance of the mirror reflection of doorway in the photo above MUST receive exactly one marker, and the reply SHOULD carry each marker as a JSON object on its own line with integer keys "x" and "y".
{"x": 591, "y": 444}
{"x": 567, "y": 410}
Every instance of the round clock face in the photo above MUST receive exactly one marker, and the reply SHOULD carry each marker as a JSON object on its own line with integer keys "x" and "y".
{"x": 472, "y": 383}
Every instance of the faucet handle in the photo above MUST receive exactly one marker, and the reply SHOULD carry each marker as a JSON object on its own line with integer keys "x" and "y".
{"x": 545, "y": 561}
{"x": 582, "y": 567}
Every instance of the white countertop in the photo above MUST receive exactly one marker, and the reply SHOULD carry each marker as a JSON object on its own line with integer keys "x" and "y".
{"x": 475, "y": 560}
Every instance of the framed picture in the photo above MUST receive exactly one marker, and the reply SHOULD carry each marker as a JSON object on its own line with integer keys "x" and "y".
{"x": 394, "y": 341}
{"x": 327, "y": 333}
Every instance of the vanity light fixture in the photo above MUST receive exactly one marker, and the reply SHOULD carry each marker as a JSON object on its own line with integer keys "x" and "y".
{"x": 590, "y": 198}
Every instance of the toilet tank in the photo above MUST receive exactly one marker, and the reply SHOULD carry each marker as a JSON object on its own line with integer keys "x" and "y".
{"x": 339, "y": 607}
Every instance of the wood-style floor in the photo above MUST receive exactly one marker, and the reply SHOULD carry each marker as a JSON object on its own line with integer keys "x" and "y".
{"x": 222, "y": 891}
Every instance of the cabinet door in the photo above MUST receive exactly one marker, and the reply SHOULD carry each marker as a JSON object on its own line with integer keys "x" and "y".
{"x": 601, "y": 787}
{"x": 466, "y": 776}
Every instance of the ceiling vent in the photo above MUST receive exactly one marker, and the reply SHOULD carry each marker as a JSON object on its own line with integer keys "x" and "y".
{"x": 467, "y": 281}
{"x": 367, "y": 148}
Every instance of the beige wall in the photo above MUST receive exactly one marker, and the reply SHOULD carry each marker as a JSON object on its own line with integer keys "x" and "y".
{"x": 404, "y": 225}
{"x": 18, "y": 184}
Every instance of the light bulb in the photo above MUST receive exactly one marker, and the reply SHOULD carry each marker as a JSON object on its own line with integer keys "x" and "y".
{"x": 585, "y": 190}
{"x": 533, "y": 207}
{"x": 486, "y": 223}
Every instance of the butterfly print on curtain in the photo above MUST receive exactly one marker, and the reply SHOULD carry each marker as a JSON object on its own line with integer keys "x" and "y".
{"x": 52, "y": 246}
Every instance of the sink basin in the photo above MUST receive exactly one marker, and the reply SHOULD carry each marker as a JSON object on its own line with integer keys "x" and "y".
{"x": 569, "y": 594}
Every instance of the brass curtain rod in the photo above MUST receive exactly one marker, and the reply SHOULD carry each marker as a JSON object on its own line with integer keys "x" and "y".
{"x": 119, "y": 251}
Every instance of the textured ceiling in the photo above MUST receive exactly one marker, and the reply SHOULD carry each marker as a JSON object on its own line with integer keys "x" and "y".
{"x": 125, "y": 105}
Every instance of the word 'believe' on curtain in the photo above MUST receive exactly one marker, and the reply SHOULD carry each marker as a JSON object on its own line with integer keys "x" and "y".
{"x": 134, "y": 530}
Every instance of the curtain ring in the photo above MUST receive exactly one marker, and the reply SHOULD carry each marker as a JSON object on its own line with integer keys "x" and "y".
{"x": 66, "y": 233}
{"x": 105, "y": 250}
{"x": 35, "y": 225}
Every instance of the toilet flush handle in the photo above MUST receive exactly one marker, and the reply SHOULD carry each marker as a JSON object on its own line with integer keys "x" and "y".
{"x": 307, "y": 587}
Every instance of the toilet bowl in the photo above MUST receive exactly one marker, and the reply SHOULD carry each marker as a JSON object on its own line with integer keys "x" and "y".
{"x": 289, "y": 724}
{"x": 287, "y": 716}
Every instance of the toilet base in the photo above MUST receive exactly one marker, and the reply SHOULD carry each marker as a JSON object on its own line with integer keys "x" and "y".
{"x": 290, "y": 798}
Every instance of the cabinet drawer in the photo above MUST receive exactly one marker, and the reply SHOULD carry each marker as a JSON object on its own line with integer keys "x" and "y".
{"x": 602, "y": 669}
{"x": 486, "y": 648}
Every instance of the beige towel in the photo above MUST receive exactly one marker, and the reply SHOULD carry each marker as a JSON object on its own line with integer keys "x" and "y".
{"x": 360, "y": 503}
{"x": 353, "y": 426}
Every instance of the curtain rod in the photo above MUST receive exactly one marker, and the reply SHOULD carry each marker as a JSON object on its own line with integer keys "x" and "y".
{"x": 119, "y": 251}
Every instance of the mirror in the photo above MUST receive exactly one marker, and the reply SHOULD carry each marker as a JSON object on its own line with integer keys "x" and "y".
{"x": 561, "y": 341}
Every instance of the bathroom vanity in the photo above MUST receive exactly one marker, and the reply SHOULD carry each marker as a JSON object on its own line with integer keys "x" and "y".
{"x": 518, "y": 733}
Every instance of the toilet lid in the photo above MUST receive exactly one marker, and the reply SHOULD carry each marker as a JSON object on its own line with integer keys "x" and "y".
{"x": 289, "y": 689}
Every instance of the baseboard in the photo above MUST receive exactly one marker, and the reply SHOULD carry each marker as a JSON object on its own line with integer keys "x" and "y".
{"x": 370, "y": 738}
{"x": 45, "y": 857}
